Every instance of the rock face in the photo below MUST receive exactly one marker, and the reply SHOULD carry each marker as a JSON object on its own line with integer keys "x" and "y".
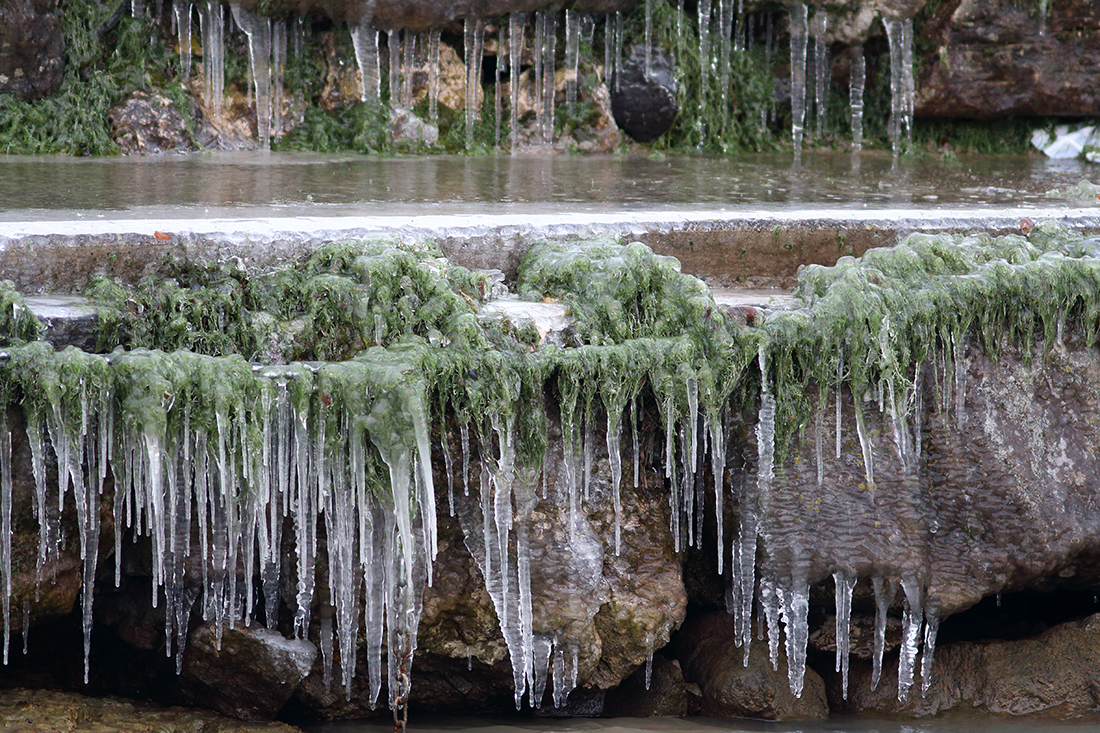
{"x": 31, "y": 45}
{"x": 730, "y": 689}
{"x": 246, "y": 672}
{"x": 148, "y": 122}
{"x": 1054, "y": 675}
{"x": 992, "y": 59}
{"x": 645, "y": 105}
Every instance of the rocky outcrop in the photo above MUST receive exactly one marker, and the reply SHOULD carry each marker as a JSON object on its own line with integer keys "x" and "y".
{"x": 731, "y": 689}
{"x": 1054, "y": 675}
{"x": 248, "y": 672}
{"x": 992, "y": 59}
{"x": 31, "y": 46}
{"x": 148, "y": 122}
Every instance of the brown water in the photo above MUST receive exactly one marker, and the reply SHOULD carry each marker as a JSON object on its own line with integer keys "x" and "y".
{"x": 308, "y": 184}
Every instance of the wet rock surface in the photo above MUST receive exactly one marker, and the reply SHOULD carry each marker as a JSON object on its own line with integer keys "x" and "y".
{"x": 707, "y": 651}
{"x": 31, "y": 46}
{"x": 148, "y": 122}
{"x": 992, "y": 59}
{"x": 48, "y": 711}
{"x": 1053, "y": 675}
{"x": 246, "y": 672}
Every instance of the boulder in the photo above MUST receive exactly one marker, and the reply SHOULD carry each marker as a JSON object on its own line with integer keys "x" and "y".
{"x": 148, "y": 122}
{"x": 663, "y": 694}
{"x": 31, "y": 48}
{"x": 730, "y": 689}
{"x": 249, "y": 673}
{"x": 645, "y": 105}
{"x": 1056, "y": 675}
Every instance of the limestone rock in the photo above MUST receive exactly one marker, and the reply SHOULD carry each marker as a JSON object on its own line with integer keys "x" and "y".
{"x": 645, "y": 106}
{"x": 1056, "y": 675}
{"x": 251, "y": 675}
{"x": 706, "y": 650}
{"x": 148, "y": 122}
{"x": 997, "y": 58}
{"x": 31, "y": 45}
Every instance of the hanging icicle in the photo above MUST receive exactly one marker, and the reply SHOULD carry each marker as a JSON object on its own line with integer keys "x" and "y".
{"x": 855, "y": 94}
{"x": 799, "y": 34}
{"x": 474, "y": 40}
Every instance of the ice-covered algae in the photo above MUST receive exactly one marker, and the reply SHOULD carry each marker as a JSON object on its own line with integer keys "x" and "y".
{"x": 228, "y": 428}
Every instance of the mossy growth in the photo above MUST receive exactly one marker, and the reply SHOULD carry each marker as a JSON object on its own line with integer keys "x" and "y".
{"x": 106, "y": 58}
{"x": 393, "y": 330}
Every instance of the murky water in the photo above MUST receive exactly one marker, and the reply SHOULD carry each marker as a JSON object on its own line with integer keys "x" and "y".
{"x": 706, "y": 725}
{"x": 306, "y": 184}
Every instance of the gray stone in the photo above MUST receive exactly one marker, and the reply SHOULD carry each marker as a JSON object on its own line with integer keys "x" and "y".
{"x": 1055, "y": 675}
{"x": 730, "y": 689}
{"x": 249, "y": 675}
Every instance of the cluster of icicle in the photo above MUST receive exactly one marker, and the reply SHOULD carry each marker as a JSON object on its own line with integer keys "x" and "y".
{"x": 267, "y": 50}
{"x": 219, "y": 453}
{"x": 212, "y": 456}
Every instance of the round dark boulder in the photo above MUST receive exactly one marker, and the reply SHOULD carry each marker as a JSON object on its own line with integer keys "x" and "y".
{"x": 644, "y": 105}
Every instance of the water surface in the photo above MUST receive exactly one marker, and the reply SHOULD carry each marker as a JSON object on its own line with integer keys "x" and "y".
{"x": 301, "y": 184}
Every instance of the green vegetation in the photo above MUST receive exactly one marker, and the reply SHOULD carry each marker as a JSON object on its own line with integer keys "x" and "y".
{"x": 103, "y": 64}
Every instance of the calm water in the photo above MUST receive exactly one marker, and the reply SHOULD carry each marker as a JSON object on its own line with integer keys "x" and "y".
{"x": 706, "y": 725}
{"x": 237, "y": 184}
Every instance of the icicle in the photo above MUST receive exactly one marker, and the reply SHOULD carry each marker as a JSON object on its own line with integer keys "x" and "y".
{"x": 899, "y": 32}
{"x": 546, "y": 47}
{"x": 182, "y": 14}
{"x": 364, "y": 39}
{"x": 608, "y": 48}
{"x": 648, "y": 659}
{"x": 818, "y": 27}
{"x": 498, "y": 75}
{"x": 475, "y": 36}
{"x": 278, "y": 69}
{"x": 615, "y": 460}
{"x": 258, "y": 30}
{"x": 137, "y": 8}
{"x": 1044, "y": 9}
{"x": 725, "y": 14}
{"x": 326, "y": 646}
{"x": 912, "y": 620}
{"x": 516, "y": 24}
{"x": 931, "y": 628}
{"x": 795, "y": 605}
{"x": 799, "y": 21}
{"x": 433, "y": 75}
{"x": 619, "y": 37}
{"x": 572, "y": 55}
{"x": 855, "y": 94}
{"x": 6, "y": 529}
{"x": 771, "y": 605}
{"x": 884, "y": 596}
{"x": 393, "y": 45}
{"x": 408, "y": 69}
{"x": 706, "y": 63}
{"x": 212, "y": 21}
{"x": 866, "y": 445}
{"x": 718, "y": 471}
{"x": 845, "y": 581}
{"x": 649, "y": 38}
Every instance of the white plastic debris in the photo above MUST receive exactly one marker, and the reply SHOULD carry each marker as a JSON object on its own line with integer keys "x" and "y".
{"x": 1064, "y": 142}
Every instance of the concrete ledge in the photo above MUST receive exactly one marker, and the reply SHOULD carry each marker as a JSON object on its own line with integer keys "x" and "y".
{"x": 723, "y": 247}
